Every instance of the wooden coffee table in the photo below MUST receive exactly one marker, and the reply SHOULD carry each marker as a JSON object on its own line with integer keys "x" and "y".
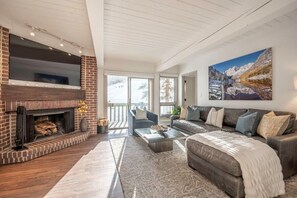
{"x": 160, "y": 142}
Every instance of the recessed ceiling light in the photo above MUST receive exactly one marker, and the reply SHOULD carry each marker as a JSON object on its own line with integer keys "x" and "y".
{"x": 22, "y": 38}
{"x": 50, "y": 48}
{"x": 69, "y": 54}
{"x": 80, "y": 50}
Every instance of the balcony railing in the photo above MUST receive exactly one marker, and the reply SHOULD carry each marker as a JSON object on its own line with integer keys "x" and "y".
{"x": 118, "y": 114}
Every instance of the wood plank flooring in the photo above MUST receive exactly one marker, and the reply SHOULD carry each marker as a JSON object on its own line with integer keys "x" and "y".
{"x": 84, "y": 170}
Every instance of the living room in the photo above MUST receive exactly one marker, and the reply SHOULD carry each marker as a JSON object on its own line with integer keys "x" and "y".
{"x": 173, "y": 98}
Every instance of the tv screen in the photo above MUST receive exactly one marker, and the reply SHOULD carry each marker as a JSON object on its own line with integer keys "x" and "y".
{"x": 31, "y": 61}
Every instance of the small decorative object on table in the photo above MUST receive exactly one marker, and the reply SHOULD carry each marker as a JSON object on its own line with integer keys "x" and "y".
{"x": 159, "y": 128}
{"x": 82, "y": 109}
{"x": 102, "y": 125}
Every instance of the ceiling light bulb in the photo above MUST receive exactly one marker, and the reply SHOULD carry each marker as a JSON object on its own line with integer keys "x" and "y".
{"x": 21, "y": 38}
{"x": 50, "y": 48}
{"x": 80, "y": 50}
{"x": 69, "y": 54}
{"x": 62, "y": 44}
{"x": 32, "y": 33}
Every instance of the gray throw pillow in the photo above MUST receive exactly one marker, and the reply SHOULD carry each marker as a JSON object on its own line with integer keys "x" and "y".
{"x": 247, "y": 124}
{"x": 193, "y": 114}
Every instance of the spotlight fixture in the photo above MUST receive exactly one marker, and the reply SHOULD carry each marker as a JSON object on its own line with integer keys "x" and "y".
{"x": 32, "y": 33}
{"x": 62, "y": 40}
{"x": 61, "y": 43}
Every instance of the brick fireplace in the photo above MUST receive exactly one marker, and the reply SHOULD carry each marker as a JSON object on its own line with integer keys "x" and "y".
{"x": 66, "y": 99}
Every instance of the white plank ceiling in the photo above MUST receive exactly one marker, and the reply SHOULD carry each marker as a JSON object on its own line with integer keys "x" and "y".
{"x": 147, "y": 29}
{"x": 153, "y": 31}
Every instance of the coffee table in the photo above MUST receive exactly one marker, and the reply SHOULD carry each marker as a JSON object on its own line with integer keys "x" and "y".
{"x": 160, "y": 142}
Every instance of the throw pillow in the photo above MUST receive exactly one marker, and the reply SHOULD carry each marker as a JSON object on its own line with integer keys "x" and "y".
{"x": 193, "y": 114}
{"x": 245, "y": 123}
{"x": 183, "y": 113}
{"x": 272, "y": 125}
{"x": 215, "y": 118}
{"x": 140, "y": 114}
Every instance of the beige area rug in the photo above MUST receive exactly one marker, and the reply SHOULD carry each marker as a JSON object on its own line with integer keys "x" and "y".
{"x": 144, "y": 173}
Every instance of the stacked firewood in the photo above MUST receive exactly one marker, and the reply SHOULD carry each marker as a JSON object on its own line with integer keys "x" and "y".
{"x": 45, "y": 127}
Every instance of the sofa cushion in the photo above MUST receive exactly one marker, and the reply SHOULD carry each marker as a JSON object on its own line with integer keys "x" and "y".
{"x": 140, "y": 114}
{"x": 215, "y": 157}
{"x": 231, "y": 116}
{"x": 193, "y": 114}
{"x": 193, "y": 127}
{"x": 246, "y": 123}
{"x": 272, "y": 125}
{"x": 291, "y": 125}
{"x": 203, "y": 112}
{"x": 143, "y": 123}
{"x": 183, "y": 113}
{"x": 228, "y": 129}
{"x": 215, "y": 118}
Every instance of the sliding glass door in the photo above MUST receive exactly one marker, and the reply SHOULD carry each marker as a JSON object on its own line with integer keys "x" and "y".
{"x": 140, "y": 93}
{"x": 124, "y": 93}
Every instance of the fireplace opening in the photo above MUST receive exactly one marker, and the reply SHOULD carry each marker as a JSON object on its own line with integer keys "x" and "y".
{"x": 43, "y": 124}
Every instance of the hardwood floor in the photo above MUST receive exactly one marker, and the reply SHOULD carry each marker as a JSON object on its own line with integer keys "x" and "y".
{"x": 84, "y": 170}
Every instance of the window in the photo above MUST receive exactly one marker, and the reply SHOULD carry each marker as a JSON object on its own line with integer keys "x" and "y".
{"x": 168, "y": 95}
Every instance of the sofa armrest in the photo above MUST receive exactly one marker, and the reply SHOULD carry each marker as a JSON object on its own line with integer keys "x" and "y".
{"x": 173, "y": 117}
{"x": 131, "y": 121}
{"x": 152, "y": 116}
{"x": 286, "y": 146}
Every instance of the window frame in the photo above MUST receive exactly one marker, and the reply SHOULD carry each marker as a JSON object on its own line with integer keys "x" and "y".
{"x": 175, "y": 102}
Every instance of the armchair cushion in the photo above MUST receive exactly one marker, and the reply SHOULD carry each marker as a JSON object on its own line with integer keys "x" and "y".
{"x": 143, "y": 124}
{"x": 140, "y": 114}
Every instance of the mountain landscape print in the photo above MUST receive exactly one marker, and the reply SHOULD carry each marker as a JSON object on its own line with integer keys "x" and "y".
{"x": 247, "y": 77}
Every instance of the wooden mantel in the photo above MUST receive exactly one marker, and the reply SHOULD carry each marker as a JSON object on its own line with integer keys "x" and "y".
{"x": 26, "y": 93}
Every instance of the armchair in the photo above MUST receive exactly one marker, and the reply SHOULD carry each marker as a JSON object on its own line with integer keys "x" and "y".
{"x": 136, "y": 124}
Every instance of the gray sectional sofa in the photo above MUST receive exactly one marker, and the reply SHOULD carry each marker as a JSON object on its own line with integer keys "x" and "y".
{"x": 222, "y": 169}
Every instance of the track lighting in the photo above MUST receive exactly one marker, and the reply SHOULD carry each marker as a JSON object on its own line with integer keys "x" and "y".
{"x": 62, "y": 40}
{"x": 32, "y": 33}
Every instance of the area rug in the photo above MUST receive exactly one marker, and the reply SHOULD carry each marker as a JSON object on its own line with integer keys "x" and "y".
{"x": 144, "y": 173}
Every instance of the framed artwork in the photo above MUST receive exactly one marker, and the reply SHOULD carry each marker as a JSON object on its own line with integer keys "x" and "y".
{"x": 247, "y": 77}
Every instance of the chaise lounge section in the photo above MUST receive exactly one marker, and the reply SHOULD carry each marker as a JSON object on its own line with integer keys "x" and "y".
{"x": 222, "y": 169}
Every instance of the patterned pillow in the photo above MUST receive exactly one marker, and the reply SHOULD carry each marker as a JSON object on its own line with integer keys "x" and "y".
{"x": 215, "y": 118}
{"x": 272, "y": 125}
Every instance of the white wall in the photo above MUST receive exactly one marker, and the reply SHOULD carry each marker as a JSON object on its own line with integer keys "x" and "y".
{"x": 284, "y": 48}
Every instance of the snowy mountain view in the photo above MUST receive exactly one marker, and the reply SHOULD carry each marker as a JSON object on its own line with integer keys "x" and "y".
{"x": 245, "y": 78}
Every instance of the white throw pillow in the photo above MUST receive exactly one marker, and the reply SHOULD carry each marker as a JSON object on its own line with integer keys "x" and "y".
{"x": 215, "y": 118}
{"x": 140, "y": 114}
{"x": 183, "y": 113}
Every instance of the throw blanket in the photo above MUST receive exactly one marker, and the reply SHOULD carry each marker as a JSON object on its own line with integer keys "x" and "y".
{"x": 260, "y": 165}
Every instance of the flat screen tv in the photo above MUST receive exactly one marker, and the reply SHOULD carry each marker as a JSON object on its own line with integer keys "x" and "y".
{"x": 31, "y": 61}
